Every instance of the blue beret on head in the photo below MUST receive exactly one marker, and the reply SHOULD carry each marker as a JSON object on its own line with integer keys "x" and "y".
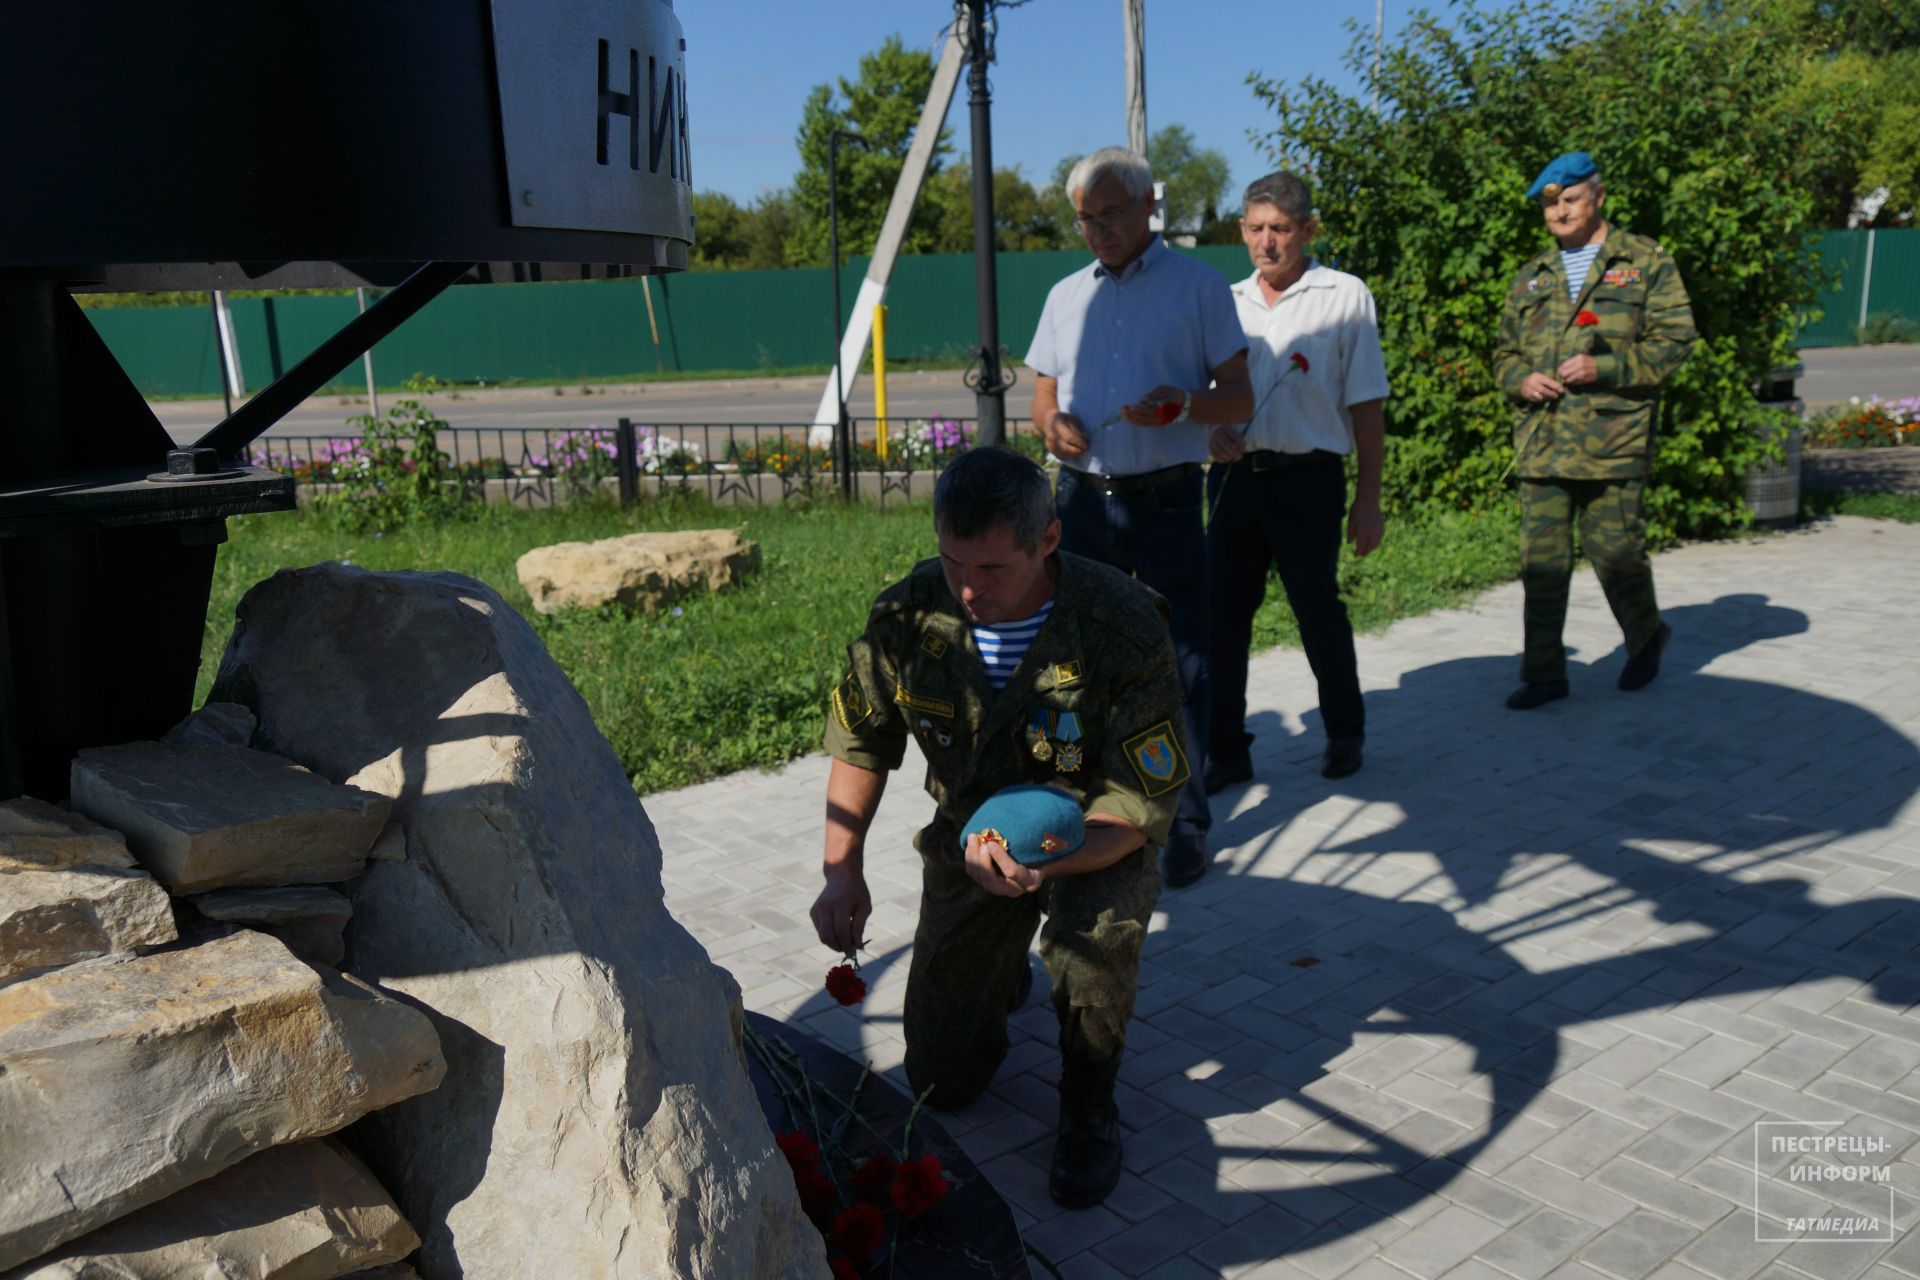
{"x": 1037, "y": 824}
{"x": 1563, "y": 171}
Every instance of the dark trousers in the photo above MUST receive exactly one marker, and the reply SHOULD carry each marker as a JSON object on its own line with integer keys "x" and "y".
{"x": 1157, "y": 536}
{"x": 1292, "y": 517}
{"x": 1613, "y": 533}
{"x": 971, "y": 947}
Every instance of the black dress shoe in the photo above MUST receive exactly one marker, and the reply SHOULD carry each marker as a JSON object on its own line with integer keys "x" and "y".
{"x": 1224, "y": 771}
{"x": 1536, "y": 693}
{"x": 1086, "y": 1156}
{"x": 1342, "y": 757}
{"x": 1182, "y": 862}
{"x": 1643, "y": 666}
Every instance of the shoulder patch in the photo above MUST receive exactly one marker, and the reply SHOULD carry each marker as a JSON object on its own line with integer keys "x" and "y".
{"x": 1156, "y": 757}
{"x": 850, "y": 705}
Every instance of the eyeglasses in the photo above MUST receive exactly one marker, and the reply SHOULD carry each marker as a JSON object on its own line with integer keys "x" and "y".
{"x": 1103, "y": 221}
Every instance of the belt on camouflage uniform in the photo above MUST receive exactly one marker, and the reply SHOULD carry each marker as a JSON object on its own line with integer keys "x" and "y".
{"x": 1120, "y": 486}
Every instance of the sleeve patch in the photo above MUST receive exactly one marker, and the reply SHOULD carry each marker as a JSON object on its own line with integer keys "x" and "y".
{"x": 850, "y": 705}
{"x": 1156, "y": 757}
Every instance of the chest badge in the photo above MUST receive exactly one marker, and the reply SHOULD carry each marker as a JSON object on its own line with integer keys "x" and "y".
{"x": 933, "y": 646}
{"x": 1066, "y": 675}
{"x": 1069, "y": 755}
{"x": 1040, "y": 731}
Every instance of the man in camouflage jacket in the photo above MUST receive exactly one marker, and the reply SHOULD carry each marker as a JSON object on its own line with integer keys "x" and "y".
{"x": 1094, "y": 710}
{"x": 1591, "y": 330}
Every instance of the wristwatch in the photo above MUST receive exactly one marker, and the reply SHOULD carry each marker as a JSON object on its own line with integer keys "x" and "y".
{"x": 1186, "y": 408}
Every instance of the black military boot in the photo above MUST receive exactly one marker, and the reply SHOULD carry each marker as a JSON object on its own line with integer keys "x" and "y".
{"x": 1086, "y": 1155}
{"x": 1537, "y": 693}
{"x": 1643, "y": 666}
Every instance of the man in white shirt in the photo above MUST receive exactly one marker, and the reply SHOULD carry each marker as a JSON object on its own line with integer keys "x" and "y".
{"x": 1279, "y": 485}
{"x": 1136, "y": 356}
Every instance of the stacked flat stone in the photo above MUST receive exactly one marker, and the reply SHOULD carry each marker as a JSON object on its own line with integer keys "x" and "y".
{"x": 165, "y": 1092}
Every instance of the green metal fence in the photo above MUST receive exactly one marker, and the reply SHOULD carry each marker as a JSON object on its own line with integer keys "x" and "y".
{"x": 749, "y": 320}
{"x": 713, "y": 320}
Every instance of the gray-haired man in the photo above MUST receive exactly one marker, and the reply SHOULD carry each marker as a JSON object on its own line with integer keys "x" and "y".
{"x": 1136, "y": 357}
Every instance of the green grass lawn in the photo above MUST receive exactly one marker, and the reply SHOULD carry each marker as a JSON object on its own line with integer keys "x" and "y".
{"x": 1904, "y": 507}
{"x": 739, "y": 680}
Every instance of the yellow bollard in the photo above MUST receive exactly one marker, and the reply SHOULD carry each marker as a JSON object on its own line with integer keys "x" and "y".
{"x": 880, "y": 377}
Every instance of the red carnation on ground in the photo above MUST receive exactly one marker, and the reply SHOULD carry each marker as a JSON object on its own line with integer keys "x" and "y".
{"x": 846, "y": 986}
{"x": 874, "y": 1176}
{"x": 801, "y": 1151}
{"x": 1167, "y": 411}
{"x": 817, "y": 1196}
{"x": 919, "y": 1186}
{"x": 1586, "y": 319}
{"x": 858, "y": 1231}
{"x": 845, "y": 1269}
{"x": 1299, "y": 361}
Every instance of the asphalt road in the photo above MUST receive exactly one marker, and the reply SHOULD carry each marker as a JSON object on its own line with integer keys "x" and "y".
{"x": 1832, "y": 376}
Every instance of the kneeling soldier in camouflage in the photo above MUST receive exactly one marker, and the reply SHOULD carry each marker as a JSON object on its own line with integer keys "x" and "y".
{"x": 1591, "y": 330}
{"x": 1011, "y": 662}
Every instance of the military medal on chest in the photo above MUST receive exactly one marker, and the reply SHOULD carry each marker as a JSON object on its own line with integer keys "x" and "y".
{"x": 1069, "y": 755}
{"x": 1038, "y": 728}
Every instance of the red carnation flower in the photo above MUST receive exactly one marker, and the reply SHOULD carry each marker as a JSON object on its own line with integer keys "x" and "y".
{"x": 874, "y": 1175}
{"x": 1167, "y": 411}
{"x": 858, "y": 1231}
{"x": 801, "y": 1151}
{"x": 1299, "y": 361}
{"x": 845, "y": 1269}
{"x": 846, "y": 986}
{"x": 919, "y": 1186}
{"x": 1586, "y": 319}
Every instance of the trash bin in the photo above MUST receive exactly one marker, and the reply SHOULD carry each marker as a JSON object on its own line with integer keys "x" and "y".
{"x": 1773, "y": 489}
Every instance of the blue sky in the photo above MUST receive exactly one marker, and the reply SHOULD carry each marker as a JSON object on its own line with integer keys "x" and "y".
{"x": 1057, "y": 85}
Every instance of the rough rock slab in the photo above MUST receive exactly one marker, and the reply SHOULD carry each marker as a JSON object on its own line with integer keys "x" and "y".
{"x": 645, "y": 572}
{"x": 54, "y": 918}
{"x": 597, "y": 1120}
{"x": 306, "y": 1211}
{"x": 392, "y": 844}
{"x": 123, "y": 1080}
{"x": 217, "y": 724}
{"x": 204, "y": 818}
{"x": 38, "y": 835}
{"x": 311, "y": 920}
{"x": 396, "y": 1271}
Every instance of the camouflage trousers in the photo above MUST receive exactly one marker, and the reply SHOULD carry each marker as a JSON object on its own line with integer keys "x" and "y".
{"x": 969, "y": 951}
{"x": 1613, "y": 533}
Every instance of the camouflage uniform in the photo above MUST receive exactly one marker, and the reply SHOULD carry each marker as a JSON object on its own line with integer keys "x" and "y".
{"x": 1586, "y": 455}
{"x": 1103, "y": 654}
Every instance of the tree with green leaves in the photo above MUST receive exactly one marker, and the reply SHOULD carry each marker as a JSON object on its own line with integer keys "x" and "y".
{"x": 1704, "y": 142}
{"x": 728, "y": 237}
{"x": 1024, "y": 217}
{"x": 882, "y": 104}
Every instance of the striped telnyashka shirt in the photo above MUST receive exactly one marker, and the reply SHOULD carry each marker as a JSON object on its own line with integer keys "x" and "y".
{"x": 1004, "y": 644}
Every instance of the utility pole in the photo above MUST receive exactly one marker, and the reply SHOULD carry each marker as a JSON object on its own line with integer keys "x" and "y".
{"x": 1135, "y": 20}
{"x": 990, "y": 396}
{"x": 1379, "y": 39}
{"x": 842, "y": 430}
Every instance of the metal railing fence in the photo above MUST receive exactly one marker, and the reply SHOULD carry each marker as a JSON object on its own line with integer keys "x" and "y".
{"x": 727, "y": 462}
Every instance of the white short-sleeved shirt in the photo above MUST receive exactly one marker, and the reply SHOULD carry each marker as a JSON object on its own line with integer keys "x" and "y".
{"x": 1110, "y": 339}
{"x": 1328, "y": 317}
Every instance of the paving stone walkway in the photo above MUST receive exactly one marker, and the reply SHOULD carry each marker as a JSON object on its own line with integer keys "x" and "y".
{"x": 1523, "y": 998}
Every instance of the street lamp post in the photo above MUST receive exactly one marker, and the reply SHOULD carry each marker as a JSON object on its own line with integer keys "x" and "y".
{"x": 990, "y": 392}
{"x": 842, "y": 433}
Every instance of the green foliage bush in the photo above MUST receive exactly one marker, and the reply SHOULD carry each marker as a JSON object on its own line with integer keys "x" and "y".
{"x": 1704, "y": 144}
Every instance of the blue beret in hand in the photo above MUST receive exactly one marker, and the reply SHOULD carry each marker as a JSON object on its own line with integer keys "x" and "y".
{"x": 1037, "y": 825}
{"x": 1563, "y": 171}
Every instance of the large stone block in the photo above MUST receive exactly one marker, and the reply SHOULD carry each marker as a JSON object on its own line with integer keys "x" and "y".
{"x": 639, "y": 571}
{"x": 597, "y": 1119}
{"x": 311, "y": 920}
{"x": 217, "y": 724}
{"x": 307, "y": 1211}
{"x": 54, "y": 918}
{"x": 35, "y": 835}
{"x": 122, "y": 1081}
{"x": 211, "y": 817}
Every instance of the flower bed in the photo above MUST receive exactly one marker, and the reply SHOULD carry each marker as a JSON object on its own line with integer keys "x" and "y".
{"x": 1872, "y": 423}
